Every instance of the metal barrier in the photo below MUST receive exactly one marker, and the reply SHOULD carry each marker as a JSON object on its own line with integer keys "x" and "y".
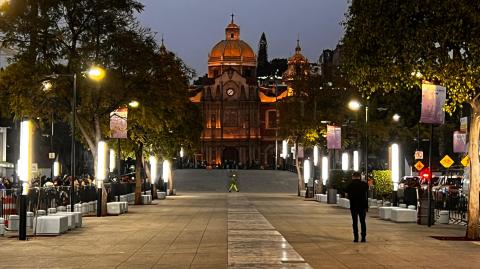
{"x": 47, "y": 197}
{"x": 457, "y": 206}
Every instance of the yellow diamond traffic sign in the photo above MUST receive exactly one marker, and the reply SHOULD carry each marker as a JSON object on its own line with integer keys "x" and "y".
{"x": 419, "y": 165}
{"x": 446, "y": 161}
{"x": 466, "y": 161}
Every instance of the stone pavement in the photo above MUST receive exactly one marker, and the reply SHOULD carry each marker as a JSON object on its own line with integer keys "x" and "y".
{"x": 225, "y": 230}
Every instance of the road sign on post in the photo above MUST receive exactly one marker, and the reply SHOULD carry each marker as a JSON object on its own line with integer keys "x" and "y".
{"x": 419, "y": 165}
{"x": 446, "y": 161}
{"x": 466, "y": 161}
{"x": 418, "y": 155}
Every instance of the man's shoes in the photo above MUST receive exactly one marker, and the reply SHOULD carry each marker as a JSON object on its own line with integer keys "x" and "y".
{"x": 364, "y": 240}
{"x": 355, "y": 240}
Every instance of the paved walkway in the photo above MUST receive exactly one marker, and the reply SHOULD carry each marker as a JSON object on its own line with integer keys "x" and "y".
{"x": 206, "y": 230}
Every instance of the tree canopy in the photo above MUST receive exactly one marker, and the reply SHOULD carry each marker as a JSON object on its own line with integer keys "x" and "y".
{"x": 393, "y": 46}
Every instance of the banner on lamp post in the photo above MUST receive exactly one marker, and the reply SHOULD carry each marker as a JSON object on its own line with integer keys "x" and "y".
{"x": 334, "y": 137}
{"x": 464, "y": 124}
{"x": 433, "y": 100}
{"x": 459, "y": 142}
{"x": 118, "y": 123}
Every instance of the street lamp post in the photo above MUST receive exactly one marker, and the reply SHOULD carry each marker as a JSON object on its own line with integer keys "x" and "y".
{"x": 355, "y": 106}
{"x": 94, "y": 73}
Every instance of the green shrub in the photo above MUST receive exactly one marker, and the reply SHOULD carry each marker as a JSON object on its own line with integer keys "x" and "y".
{"x": 383, "y": 183}
{"x": 339, "y": 179}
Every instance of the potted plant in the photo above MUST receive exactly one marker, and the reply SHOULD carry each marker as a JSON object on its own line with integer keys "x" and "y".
{"x": 337, "y": 183}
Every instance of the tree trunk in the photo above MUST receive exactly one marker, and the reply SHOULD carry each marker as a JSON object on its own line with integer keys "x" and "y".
{"x": 473, "y": 196}
{"x": 301, "y": 184}
{"x": 138, "y": 174}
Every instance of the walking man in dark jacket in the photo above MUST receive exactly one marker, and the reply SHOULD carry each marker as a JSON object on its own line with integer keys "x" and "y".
{"x": 357, "y": 194}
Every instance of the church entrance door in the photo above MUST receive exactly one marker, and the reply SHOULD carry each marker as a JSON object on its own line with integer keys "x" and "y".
{"x": 230, "y": 154}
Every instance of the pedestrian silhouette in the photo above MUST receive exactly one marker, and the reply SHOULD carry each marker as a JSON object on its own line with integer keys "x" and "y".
{"x": 357, "y": 194}
{"x": 233, "y": 182}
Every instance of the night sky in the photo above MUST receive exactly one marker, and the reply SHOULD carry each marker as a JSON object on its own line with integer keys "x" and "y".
{"x": 192, "y": 27}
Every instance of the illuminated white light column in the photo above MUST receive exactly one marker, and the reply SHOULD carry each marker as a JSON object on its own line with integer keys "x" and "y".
{"x": 112, "y": 161}
{"x": 25, "y": 162}
{"x": 395, "y": 165}
{"x": 101, "y": 163}
{"x": 153, "y": 170}
{"x": 306, "y": 171}
{"x": 356, "y": 161}
{"x": 182, "y": 153}
{"x": 166, "y": 170}
{"x": 284, "y": 149}
{"x": 315, "y": 155}
{"x": 345, "y": 161}
{"x": 324, "y": 170}
{"x": 56, "y": 169}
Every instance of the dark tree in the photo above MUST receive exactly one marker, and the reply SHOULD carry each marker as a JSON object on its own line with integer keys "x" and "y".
{"x": 263, "y": 66}
{"x": 279, "y": 64}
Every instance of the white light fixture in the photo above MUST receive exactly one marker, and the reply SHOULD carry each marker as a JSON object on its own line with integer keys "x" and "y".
{"x": 112, "y": 161}
{"x": 181, "y": 153}
{"x": 396, "y": 117}
{"x": 306, "y": 171}
{"x": 25, "y": 162}
{"x": 153, "y": 169}
{"x": 324, "y": 170}
{"x": 356, "y": 161}
{"x": 345, "y": 161}
{"x": 56, "y": 169}
{"x": 315, "y": 155}
{"x": 395, "y": 165}
{"x": 166, "y": 171}
{"x": 134, "y": 104}
{"x": 101, "y": 163}
{"x": 284, "y": 149}
{"x": 354, "y": 105}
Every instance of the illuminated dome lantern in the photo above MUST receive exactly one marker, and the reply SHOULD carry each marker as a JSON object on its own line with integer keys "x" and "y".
{"x": 232, "y": 53}
{"x": 297, "y": 65}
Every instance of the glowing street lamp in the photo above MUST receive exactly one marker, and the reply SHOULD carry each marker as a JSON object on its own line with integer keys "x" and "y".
{"x": 56, "y": 169}
{"x": 112, "y": 160}
{"x": 315, "y": 155}
{"x": 101, "y": 173}
{"x": 345, "y": 161}
{"x": 25, "y": 173}
{"x": 396, "y": 117}
{"x": 134, "y": 104}
{"x": 355, "y": 106}
{"x": 356, "y": 161}
{"x": 166, "y": 173}
{"x": 324, "y": 170}
{"x": 395, "y": 157}
{"x": 306, "y": 171}
{"x": 96, "y": 73}
{"x": 284, "y": 149}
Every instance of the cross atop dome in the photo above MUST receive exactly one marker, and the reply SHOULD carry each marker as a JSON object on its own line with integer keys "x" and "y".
{"x": 232, "y": 32}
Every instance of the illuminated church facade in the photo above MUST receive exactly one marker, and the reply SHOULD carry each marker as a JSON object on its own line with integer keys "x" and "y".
{"x": 239, "y": 115}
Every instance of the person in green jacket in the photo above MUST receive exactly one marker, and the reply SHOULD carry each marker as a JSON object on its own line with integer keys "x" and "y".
{"x": 233, "y": 182}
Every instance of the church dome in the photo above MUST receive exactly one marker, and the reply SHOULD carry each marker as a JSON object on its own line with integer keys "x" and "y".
{"x": 232, "y": 50}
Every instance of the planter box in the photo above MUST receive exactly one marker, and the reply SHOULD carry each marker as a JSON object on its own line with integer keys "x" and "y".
{"x": 332, "y": 196}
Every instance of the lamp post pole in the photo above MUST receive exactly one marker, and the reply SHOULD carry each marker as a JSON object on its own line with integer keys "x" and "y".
{"x": 366, "y": 143}
{"x": 72, "y": 156}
